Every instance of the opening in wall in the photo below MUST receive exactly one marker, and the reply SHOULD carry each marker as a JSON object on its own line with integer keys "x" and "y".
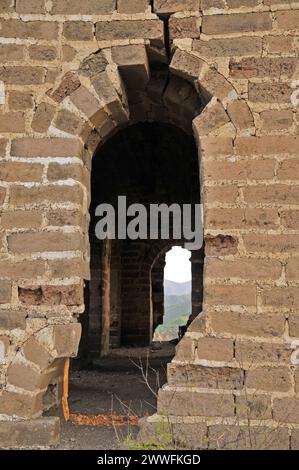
{"x": 136, "y": 284}
{"x": 175, "y": 307}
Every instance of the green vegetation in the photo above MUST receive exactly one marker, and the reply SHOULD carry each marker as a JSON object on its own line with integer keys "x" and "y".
{"x": 177, "y": 310}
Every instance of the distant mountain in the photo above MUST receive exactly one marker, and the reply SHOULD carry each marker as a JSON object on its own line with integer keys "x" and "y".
{"x": 177, "y": 288}
{"x": 177, "y": 302}
{"x": 175, "y": 306}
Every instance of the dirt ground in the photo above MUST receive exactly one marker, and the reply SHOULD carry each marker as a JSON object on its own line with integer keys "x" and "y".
{"x": 114, "y": 385}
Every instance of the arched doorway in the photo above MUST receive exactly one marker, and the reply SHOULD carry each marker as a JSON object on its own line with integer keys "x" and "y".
{"x": 149, "y": 163}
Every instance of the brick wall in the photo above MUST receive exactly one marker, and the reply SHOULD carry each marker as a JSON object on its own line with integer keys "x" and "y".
{"x": 60, "y": 98}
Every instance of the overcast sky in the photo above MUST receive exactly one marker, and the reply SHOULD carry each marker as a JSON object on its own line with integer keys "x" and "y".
{"x": 178, "y": 265}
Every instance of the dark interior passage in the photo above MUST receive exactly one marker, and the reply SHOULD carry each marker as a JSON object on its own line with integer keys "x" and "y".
{"x": 149, "y": 163}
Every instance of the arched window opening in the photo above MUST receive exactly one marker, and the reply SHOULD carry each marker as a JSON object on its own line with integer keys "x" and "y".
{"x": 177, "y": 298}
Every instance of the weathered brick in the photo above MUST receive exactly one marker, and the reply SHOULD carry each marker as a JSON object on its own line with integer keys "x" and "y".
{"x": 63, "y": 268}
{"x": 12, "y": 122}
{"x": 295, "y": 439}
{"x": 28, "y": 269}
{"x": 225, "y": 4}
{"x": 30, "y": 6}
{"x": 286, "y": 409}
{"x": 15, "y": 28}
{"x": 214, "y": 349}
{"x": 16, "y": 171}
{"x": 5, "y": 291}
{"x": 68, "y": 53}
{"x": 186, "y": 65}
{"x": 65, "y": 217}
{"x": 269, "y": 92}
{"x": 230, "y": 295}
{"x": 23, "y": 376}
{"x": 287, "y": 20}
{"x": 21, "y": 219}
{"x": 276, "y": 119}
{"x": 253, "y": 407}
{"x": 267, "y": 145}
{"x": 205, "y": 377}
{"x": 19, "y": 100}
{"x": 88, "y": 7}
{"x": 183, "y": 27}
{"x": 32, "y": 433}
{"x": 239, "y": 170}
{"x": 281, "y": 297}
{"x": 78, "y": 30}
{"x": 132, "y": 6}
{"x": 66, "y": 339}
{"x": 63, "y": 172}
{"x": 195, "y": 434}
{"x": 12, "y": 319}
{"x": 43, "y": 117}
{"x": 257, "y": 352}
{"x": 11, "y": 52}
{"x": 220, "y": 245}
{"x": 52, "y": 74}
{"x": 290, "y": 219}
{"x": 6, "y": 6}
{"x": 44, "y": 242}
{"x": 288, "y": 170}
{"x": 246, "y": 324}
{"x": 292, "y": 269}
{"x": 258, "y": 243}
{"x": 68, "y": 122}
{"x": 51, "y": 295}
{"x": 51, "y": 147}
{"x": 220, "y": 146}
{"x": 149, "y": 29}
{"x": 42, "y": 53}
{"x": 20, "y": 195}
{"x": 36, "y": 353}
{"x": 173, "y": 6}
{"x": 246, "y": 437}
{"x": 96, "y": 63}
{"x": 212, "y": 118}
{"x": 216, "y": 84}
{"x": 224, "y": 193}
{"x": 90, "y": 106}
{"x": 276, "y": 2}
{"x": 243, "y": 268}
{"x": 22, "y": 75}
{"x": 3, "y": 146}
{"x": 279, "y": 44}
{"x": 257, "y": 67}
{"x": 227, "y": 47}
{"x": 240, "y": 114}
{"x": 274, "y": 193}
{"x": 18, "y": 404}
{"x": 2, "y": 195}
{"x": 236, "y": 23}
{"x": 67, "y": 86}
{"x": 241, "y": 218}
{"x": 178, "y": 403}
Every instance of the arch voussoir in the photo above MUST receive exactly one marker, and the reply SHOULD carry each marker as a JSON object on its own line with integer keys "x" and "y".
{"x": 38, "y": 365}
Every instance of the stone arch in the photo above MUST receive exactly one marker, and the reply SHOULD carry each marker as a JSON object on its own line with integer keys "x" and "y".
{"x": 88, "y": 106}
